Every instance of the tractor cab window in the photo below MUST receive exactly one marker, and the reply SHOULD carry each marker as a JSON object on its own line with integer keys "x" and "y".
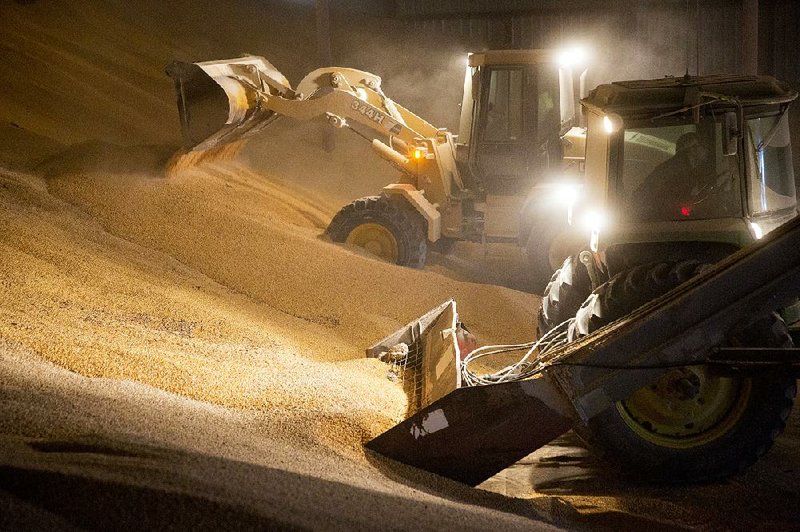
{"x": 769, "y": 164}
{"x": 678, "y": 172}
{"x": 504, "y": 106}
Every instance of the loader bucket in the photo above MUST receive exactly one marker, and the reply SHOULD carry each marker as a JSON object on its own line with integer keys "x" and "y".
{"x": 466, "y": 434}
{"x": 429, "y": 365}
{"x": 219, "y": 101}
{"x": 474, "y": 432}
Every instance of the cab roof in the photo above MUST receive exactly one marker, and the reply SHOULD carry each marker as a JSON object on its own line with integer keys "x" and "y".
{"x": 513, "y": 57}
{"x": 668, "y": 93}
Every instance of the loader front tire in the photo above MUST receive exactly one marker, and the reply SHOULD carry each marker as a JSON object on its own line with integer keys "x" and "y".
{"x": 548, "y": 245}
{"x": 389, "y": 229}
{"x": 539, "y": 250}
{"x": 562, "y": 297}
{"x": 691, "y": 425}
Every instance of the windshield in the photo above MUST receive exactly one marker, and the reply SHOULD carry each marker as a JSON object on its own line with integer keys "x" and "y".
{"x": 504, "y": 106}
{"x": 678, "y": 172}
{"x": 769, "y": 164}
{"x": 522, "y": 103}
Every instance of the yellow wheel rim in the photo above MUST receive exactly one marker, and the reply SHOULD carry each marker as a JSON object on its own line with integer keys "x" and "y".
{"x": 376, "y": 239}
{"x": 686, "y": 408}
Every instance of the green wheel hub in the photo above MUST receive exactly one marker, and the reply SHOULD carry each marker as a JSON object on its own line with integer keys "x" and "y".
{"x": 687, "y": 407}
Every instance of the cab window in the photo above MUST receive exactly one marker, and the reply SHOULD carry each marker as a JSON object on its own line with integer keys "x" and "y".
{"x": 504, "y": 106}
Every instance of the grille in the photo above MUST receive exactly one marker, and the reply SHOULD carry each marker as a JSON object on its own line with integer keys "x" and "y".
{"x": 408, "y": 371}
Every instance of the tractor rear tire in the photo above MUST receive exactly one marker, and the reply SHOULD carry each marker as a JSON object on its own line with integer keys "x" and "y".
{"x": 390, "y": 229}
{"x": 568, "y": 288}
{"x": 691, "y": 425}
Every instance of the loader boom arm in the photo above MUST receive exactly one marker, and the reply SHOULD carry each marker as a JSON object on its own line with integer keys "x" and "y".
{"x": 224, "y": 101}
{"x": 353, "y": 86}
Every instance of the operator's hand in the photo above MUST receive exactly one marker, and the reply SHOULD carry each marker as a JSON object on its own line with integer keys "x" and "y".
{"x": 713, "y": 197}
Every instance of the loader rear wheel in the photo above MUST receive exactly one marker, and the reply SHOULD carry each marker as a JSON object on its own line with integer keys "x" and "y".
{"x": 562, "y": 297}
{"x": 691, "y": 425}
{"x": 389, "y": 229}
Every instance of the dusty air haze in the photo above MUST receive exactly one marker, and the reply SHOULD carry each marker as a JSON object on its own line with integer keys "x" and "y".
{"x": 185, "y": 349}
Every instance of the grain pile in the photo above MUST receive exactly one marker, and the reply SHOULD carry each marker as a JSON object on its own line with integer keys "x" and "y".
{"x": 90, "y": 453}
{"x": 216, "y": 286}
{"x": 188, "y": 351}
{"x": 185, "y": 254}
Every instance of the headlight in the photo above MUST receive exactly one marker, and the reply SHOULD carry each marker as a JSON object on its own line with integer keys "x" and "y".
{"x": 572, "y": 56}
{"x": 565, "y": 195}
{"x": 758, "y": 233}
{"x": 611, "y": 123}
{"x": 594, "y": 221}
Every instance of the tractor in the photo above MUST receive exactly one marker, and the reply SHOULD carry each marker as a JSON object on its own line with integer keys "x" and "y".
{"x": 680, "y": 173}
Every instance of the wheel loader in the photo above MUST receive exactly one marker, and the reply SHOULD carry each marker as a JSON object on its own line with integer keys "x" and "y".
{"x": 663, "y": 340}
{"x": 510, "y": 175}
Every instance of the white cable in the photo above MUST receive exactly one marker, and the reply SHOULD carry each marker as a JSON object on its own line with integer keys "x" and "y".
{"x": 520, "y": 369}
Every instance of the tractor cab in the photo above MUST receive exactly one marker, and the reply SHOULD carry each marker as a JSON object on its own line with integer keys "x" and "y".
{"x": 679, "y": 163}
{"x": 517, "y": 107}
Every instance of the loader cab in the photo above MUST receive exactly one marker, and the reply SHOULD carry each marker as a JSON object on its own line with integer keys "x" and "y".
{"x": 684, "y": 163}
{"x": 517, "y": 104}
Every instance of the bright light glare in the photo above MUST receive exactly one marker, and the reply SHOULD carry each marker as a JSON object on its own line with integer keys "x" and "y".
{"x": 594, "y": 221}
{"x": 608, "y": 125}
{"x": 572, "y": 56}
{"x": 361, "y": 92}
{"x": 566, "y": 194}
{"x": 757, "y": 231}
{"x": 594, "y": 242}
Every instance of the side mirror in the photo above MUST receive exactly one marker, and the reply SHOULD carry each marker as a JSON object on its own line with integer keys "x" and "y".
{"x": 730, "y": 132}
